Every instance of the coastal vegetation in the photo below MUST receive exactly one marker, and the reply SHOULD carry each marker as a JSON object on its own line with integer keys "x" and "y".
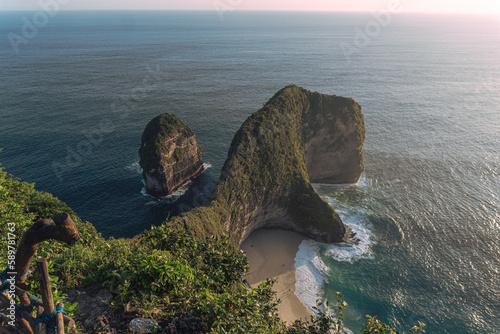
{"x": 161, "y": 273}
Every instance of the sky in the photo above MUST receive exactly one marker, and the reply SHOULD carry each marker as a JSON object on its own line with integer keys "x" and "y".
{"x": 430, "y": 6}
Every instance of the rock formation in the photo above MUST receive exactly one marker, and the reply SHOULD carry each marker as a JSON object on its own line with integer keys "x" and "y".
{"x": 297, "y": 137}
{"x": 334, "y": 133}
{"x": 169, "y": 155}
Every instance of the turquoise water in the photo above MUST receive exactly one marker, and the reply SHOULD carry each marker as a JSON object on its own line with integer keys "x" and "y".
{"x": 76, "y": 98}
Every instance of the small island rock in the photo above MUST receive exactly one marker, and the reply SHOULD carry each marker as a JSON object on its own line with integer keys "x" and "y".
{"x": 170, "y": 155}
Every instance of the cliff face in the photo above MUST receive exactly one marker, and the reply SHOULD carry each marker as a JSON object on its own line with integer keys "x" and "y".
{"x": 334, "y": 133}
{"x": 298, "y": 136}
{"x": 169, "y": 155}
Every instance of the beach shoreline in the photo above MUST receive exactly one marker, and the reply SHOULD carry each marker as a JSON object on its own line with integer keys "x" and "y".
{"x": 271, "y": 254}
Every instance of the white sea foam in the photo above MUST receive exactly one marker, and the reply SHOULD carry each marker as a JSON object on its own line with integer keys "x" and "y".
{"x": 136, "y": 167}
{"x": 358, "y": 222}
{"x": 363, "y": 181}
{"x": 310, "y": 274}
{"x": 170, "y": 198}
{"x": 145, "y": 193}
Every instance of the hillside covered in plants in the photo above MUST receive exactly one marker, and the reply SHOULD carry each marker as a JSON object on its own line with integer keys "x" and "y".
{"x": 160, "y": 274}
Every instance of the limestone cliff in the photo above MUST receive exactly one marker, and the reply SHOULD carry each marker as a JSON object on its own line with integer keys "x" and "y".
{"x": 169, "y": 155}
{"x": 334, "y": 133}
{"x": 296, "y": 138}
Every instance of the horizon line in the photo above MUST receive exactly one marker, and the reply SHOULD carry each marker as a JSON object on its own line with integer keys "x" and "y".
{"x": 254, "y": 10}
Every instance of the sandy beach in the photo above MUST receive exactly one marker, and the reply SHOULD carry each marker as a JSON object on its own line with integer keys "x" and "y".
{"x": 271, "y": 254}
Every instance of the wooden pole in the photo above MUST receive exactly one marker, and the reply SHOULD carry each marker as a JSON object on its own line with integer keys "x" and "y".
{"x": 26, "y": 325}
{"x": 45, "y": 290}
{"x": 60, "y": 321}
{"x": 4, "y": 303}
{"x": 26, "y": 320}
{"x": 61, "y": 228}
{"x": 25, "y": 301}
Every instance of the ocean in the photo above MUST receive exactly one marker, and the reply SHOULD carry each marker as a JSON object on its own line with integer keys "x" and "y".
{"x": 77, "y": 91}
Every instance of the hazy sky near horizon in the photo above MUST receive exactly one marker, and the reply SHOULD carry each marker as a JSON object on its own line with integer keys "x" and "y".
{"x": 440, "y": 6}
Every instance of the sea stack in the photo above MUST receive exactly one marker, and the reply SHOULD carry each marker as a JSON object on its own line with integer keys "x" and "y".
{"x": 170, "y": 155}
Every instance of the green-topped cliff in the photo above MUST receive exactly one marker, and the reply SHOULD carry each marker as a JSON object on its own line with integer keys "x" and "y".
{"x": 297, "y": 137}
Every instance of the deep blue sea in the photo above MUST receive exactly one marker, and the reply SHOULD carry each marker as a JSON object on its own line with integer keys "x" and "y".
{"x": 77, "y": 95}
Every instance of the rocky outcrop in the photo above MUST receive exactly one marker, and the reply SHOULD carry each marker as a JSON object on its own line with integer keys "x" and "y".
{"x": 297, "y": 137}
{"x": 169, "y": 155}
{"x": 93, "y": 305}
